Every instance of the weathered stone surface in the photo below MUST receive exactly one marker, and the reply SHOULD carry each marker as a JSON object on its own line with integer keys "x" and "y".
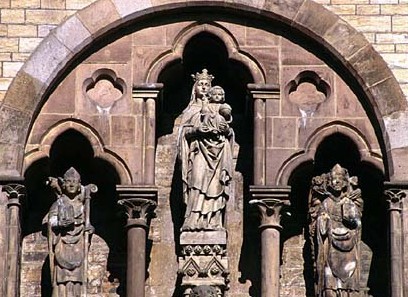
{"x": 314, "y": 18}
{"x": 287, "y": 139}
{"x": 118, "y": 52}
{"x": 71, "y": 28}
{"x": 49, "y": 58}
{"x": 129, "y": 8}
{"x": 370, "y": 66}
{"x": 123, "y": 130}
{"x": 389, "y": 97}
{"x": 285, "y": 9}
{"x": 351, "y": 41}
{"x": 99, "y": 17}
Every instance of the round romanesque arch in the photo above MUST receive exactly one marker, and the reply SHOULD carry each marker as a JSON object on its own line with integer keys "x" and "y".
{"x": 379, "y": 90}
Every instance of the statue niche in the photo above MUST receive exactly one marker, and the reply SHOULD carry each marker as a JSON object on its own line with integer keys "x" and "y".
{"x": 335, "y": 229}
{"x": 205, "y": 151}
{"x": 69, "y": 231}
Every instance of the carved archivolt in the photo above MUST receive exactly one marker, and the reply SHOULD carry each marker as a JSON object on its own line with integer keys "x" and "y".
{"x": 231, "y": 44}
{"x": 307, "y": 155}
{"x": 43, "y": 149}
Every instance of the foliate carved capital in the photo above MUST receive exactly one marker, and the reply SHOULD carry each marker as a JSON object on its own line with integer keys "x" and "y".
{"x": 395, "y": 193}
{"x": 270, "y": 201}
{"x": 139, "y": 203}
{"x": 394, "y": 198}
{"x": 14, "y": 192}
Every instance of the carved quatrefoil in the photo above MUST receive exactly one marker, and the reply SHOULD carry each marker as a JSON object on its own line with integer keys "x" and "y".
{"x": 307, "y": 91}
{"x": 104, "y": 89}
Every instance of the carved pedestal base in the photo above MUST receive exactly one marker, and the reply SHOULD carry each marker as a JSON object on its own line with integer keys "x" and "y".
{"x": 203, "y": 264}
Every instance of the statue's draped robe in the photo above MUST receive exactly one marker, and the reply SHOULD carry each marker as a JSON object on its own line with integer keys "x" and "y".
{"x": 67, "y": 244}
{"x": 338, "y": 247}
{"x": 206, "y": 166}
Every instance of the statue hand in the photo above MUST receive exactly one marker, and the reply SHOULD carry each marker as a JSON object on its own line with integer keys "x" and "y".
{"x": 90, "y": 229}
{"x": 65, "y": 223}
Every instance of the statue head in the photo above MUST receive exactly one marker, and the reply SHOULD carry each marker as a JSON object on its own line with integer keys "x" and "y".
{"x": 72, "y": 182}
{"x": 204, "y": 291}
{"x": 202, "y": 83}
{"x": 217, "y": 94}
{"x": 338, "y": 178}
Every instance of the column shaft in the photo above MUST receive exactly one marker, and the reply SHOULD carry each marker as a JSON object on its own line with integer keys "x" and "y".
{"x": 396, "y": 254}
{"x": 259, "y": 142}
{"x": 270, "y": 246}
{"x": 136, "y": 260}
{"x": 150, "y": 140}
{"x": 13, "y": 251}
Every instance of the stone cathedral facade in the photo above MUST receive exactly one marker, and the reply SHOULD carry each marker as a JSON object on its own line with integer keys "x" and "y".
{"x": 203, "y": 148}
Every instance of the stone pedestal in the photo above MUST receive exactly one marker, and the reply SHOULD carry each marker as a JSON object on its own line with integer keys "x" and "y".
{"x": 395, "y": 194}
{"x": 139, "y": 203}
{"x": 204, "y": 261}
{"x": 14, "y": 193}
{"x": 270, "y": 201}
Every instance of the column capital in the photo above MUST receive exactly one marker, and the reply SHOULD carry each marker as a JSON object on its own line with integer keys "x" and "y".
{"x": 264, "y": 91}
{"x": 395, "y": 192}
{"x": 146, "y": 91}
{"x": 14, "y": 192}
{"x": 270, "y": 202}
{"x": 139, "y": 203}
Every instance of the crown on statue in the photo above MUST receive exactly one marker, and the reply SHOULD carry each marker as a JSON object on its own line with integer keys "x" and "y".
{"x": 202, "y": 76}
{"x": 71, "y": 173}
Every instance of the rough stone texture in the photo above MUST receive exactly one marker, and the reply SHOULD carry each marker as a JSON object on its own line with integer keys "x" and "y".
{"x": 269, "y": 48}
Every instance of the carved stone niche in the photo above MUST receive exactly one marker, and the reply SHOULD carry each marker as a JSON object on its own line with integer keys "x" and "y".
{"x": 103, "y": 89}
{"x": 307, "y": 91}
{"x": 203, "y": 264}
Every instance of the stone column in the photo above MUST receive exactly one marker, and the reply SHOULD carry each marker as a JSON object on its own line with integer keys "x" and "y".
{"x": 139, "y": 203}
{"x": 395, "y": 194}
{"x": 14, "y": 194}
{"x": 270, "y": 201}
{"x": 147, "y": 95}
{"x": 265, "y": 99}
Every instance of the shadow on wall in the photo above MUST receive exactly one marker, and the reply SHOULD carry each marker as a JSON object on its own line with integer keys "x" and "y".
{"x": 375, "y": 277}
{"x": 72, "y": 149}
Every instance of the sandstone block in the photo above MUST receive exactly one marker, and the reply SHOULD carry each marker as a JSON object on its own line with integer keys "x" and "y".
{"x": 78, "y": 4}
{"x": 10, "y": 69}
{"x": 342, "y": 9}
{"x": 400, "y": 23}
{"x": 25, "y": 3}
{"x": 28, "y": 45}
{"x": 53, "y": 4}
{"x": 47, "y": 17}
{"x": 3, "y": 30}
{"x": 394, "y": 9}
{"x": 99, "y": 16}
{"x": 368, "y": 23}
{"x": 368, "y": 9}
{"x": 397, "y": 38}
{"x": 22, "y": 31}
{"x": 12, "y": 16}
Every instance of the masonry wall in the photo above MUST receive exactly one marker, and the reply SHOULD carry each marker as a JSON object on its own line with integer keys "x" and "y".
{"x": 24, "y": 23}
